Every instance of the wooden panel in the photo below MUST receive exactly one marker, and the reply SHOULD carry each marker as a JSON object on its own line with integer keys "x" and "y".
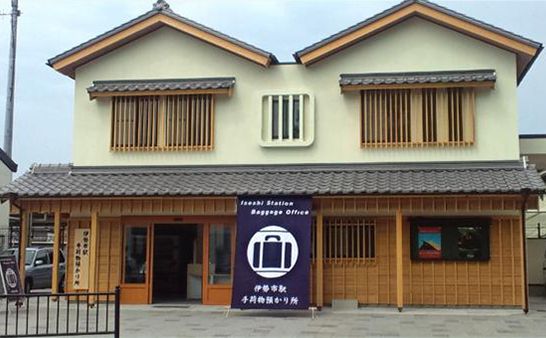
{"x": 73, "y": 224}
{"x": 493, "y": 282}
{"x": 220, "y": 91}
{"x": 56, "y": 250}
{"x": 23, "y": 244}
{"x": 177, "y": 122}
{"x": 420, "y": 117}
{"x": 368, "y": 281}
{"x": 395, "y": 86}
{"x": 385, "y": 118}
{"x": 109, "y": 254}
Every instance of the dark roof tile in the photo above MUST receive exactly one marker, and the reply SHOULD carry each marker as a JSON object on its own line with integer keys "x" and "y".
{"x": 335, "y": 179}
{"x": 418, "y": 77}
{"x": 161, "y": 84}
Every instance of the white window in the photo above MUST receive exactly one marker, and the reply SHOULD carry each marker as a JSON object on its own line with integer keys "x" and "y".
{"x": 287, "y": 120}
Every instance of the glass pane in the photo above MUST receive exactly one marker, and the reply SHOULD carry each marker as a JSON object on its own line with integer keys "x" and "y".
{"x": 135, "y": 255}
{"x": 275, "y": 118}
{"x": 219, "y": 255}
{"x": 296, "y": 118}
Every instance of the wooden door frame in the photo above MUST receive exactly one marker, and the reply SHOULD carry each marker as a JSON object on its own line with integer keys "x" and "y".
{"x": 231, "y": 223}
{"x": 150, "y": 222}
{"x": 146, "y": 285}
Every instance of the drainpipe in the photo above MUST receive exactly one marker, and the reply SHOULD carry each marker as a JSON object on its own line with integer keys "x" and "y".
{"x": 525, "y": 195}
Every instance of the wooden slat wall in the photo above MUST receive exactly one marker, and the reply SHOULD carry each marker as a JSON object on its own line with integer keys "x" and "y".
{"x": 493, "y": 282}
{"x": 69, "y": 264}
{"x": 441, "y": 283}
{"x": 215, "y": 206}
{"x": 174, "y": 122}
{"x": 368, "y": 280}
{"x": 109, "y": 258}
{"x": 385, "y": 118}
{"x": 417, "y": 117}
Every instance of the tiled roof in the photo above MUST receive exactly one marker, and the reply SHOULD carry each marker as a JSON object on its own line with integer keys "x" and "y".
{"x": 165, "y": 10}
{"x": 404, "y": 4}
{"x": 167, "y": 84}
{"x": 418, "y": 77}
{"x": 340, "y": 179}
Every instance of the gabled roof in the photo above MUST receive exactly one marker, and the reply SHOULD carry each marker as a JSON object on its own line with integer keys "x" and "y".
{"x": 526, "y": 50}
{"x": 160, "y": 16}
{"x": 298, "y": 179}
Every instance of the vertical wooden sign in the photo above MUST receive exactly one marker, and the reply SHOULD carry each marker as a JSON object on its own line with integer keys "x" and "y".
{"x": 80, "y": 277}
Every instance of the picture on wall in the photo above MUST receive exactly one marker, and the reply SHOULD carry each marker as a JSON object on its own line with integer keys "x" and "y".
{"x": 469, "y": 243}
{"x": 430, "y": 242}
{"x": 446, "y": 238}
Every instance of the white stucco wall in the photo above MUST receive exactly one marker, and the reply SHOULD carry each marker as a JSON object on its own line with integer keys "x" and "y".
{"x": 414, "y": 45}
{"x": 535, "y": 260}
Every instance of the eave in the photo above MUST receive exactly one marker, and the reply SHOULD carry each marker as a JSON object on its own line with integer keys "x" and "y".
{"x": 525, "y": 49}
{"x": 67, "y": 62}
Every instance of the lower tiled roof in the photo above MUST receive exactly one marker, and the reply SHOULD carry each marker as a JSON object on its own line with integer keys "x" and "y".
{"x": 339, "y": 179}
{"x": 161, "y": 84}
{"x": 418, "y": 77}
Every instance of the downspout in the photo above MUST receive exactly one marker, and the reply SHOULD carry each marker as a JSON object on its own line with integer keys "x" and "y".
{"x": 525, "y": 195}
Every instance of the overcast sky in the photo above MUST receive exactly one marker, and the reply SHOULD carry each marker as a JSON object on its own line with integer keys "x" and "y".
{"x": 44, "y": 98}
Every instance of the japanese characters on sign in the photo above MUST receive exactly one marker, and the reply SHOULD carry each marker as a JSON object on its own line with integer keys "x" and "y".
{"x": 80, "y": 277}
{"x": 272, "y": 258}
{"x": 9, "y": 272}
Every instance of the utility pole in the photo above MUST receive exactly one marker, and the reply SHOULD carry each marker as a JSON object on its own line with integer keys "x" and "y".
{"x": 10, "y": 97}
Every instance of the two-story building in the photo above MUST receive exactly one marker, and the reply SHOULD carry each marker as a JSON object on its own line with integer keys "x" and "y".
{"x": 403, "y": 128}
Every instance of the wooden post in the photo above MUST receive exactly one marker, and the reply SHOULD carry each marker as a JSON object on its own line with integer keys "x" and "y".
{"x": 23, "y": 243}
{"x": 93, "y": 254}
{"x": 399, "y": 268}
{"x": 523, "y": 247}
{"x": 319, "y": 260}
{"x": 56, "y": 249}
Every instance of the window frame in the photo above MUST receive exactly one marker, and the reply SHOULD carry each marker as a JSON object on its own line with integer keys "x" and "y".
{"x": 418, "y": 112}
{"x": 306, "y": 119}
{"x": 158, "y": 121}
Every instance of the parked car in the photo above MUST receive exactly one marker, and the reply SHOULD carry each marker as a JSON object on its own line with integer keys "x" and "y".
{"x": 39, "y": 267}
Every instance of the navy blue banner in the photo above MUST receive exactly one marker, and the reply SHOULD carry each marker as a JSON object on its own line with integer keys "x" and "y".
{"x": 272, "y": 258}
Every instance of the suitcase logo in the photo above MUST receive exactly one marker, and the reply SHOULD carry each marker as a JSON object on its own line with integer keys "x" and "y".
{"x": 272, "y": 252}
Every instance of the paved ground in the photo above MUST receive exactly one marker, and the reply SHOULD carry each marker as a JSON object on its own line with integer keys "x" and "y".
{"x": 200, "y": 321}
{"x": 210, "y": 321}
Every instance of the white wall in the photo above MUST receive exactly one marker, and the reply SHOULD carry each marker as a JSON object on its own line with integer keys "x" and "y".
{"x": 535, "y": 259}
{"x": 414, "y": 45}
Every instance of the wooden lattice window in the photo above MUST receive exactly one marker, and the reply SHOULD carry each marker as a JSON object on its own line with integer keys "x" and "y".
{"x": 417, "y": 117}
{"x": 177, "y": 122}
{"x": 351, "y": 238}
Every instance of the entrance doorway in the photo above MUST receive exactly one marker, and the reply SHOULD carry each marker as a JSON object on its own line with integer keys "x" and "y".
{"x": 165, "y": 260}
{"x": 177, "y": 263}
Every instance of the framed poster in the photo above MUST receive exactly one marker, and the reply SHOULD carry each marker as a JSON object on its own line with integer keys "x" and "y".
{"x": 465, "y": 239}
{"x": 429, "y": 242}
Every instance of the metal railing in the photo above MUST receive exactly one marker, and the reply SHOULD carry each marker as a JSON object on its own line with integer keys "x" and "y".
{"x": 61, "y": 314}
